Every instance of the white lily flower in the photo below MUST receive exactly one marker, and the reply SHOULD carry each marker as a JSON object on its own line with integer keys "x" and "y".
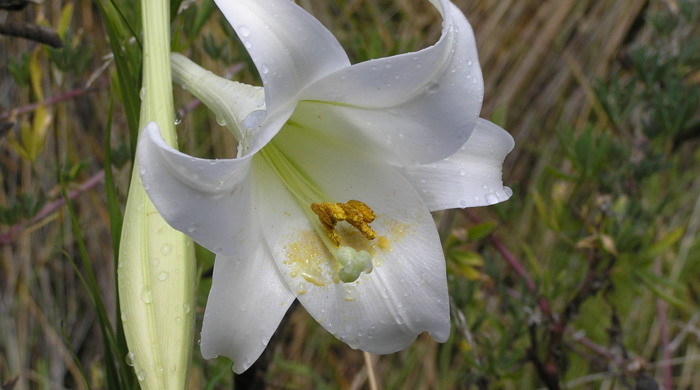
{"x": 338, "y": 169}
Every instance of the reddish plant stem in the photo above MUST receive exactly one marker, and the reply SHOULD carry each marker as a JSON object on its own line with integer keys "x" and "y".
{"x": 14, "y": 232}
{"x": 513, "y": 262}
{"x": 48, "y": 102}
{"x": 597, "y": 349}
{"x": 664, "y": 338}
{"x": 666, "y": 369}
{"x": 507, "y": 254}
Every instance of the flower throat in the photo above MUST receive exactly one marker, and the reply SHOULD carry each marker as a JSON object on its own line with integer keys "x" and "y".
{"x": 324, "y": 214}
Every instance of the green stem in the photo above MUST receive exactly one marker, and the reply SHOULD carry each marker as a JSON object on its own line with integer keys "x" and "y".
{"x": 157, "y": 94}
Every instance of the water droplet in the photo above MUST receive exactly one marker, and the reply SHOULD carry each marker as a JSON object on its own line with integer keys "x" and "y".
{"x": 178, "y": 119}
{"x": 162, "y": 276}
{"x": 142, "y": 93}
{"x": 166, "y": 249}
{"x": 186, "y": 308}
{"x": 433, "y": 88}
{"x": 141, "y": 376}
{"x": 469, "y": 62}
{"x": 462, "y": 172}
{"x": 191, "y": 229}
{"x": 247, "y": 44}
{"x": 155, "y": 261}
{"x": 348, "y": 294}
{"x": 264, "y": 69}
{"x": 508, "y": 191}
{"x": 220, "y": 120}
{"x": 244, "y": 31}
{"x": 265, "y": 340}
{"x": 147, "y": 295}
{"x": 254, "y": 119}
{"x": 463, "y": 203}
{"x": 491, "y": 198}
{"x": 130, "y": 358}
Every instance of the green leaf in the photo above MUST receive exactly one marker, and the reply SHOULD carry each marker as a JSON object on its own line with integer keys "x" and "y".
{"x": 655, "y": 282}
{"x": 127, "y": 57}
{"x": 666, "y": 241}
{"x": 480, "y": 231}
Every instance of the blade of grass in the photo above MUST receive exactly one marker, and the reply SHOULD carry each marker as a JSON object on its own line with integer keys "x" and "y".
{"x": 128, "y": 61}
{"x": 117, "y": 375}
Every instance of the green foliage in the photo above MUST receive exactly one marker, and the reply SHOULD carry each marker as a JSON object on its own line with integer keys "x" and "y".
{"x": 23, "y": 208}
{"x": 74, "y": 56}
{"x": 19, "y": 68}
{"x": 121, "y": 21}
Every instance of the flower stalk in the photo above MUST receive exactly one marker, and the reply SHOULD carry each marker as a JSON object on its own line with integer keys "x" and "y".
{"x": 156, "y": 273}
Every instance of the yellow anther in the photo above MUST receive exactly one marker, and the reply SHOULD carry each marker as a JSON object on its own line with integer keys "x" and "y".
{"x": 354, "y": 212}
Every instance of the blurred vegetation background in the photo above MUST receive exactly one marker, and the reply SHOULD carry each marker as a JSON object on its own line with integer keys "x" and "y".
{"x": 586, "y": 279}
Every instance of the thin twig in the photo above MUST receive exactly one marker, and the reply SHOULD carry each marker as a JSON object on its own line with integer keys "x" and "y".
{"x": 15, "y": 230}
{"x": 507, "y": 254}
{"x": 48, "y": 102}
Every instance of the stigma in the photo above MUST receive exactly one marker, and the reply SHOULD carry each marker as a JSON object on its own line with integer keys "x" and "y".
{"x": 358, "y": 215}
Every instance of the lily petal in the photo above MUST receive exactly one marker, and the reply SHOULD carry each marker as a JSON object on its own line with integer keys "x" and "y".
{"x": 469, "y": 178}
{"x": 405, "y": 294}
{"x": 290, "y": 47}
{"x": 417, "y": 107}
{"x": 247, "y": 301}
{"x": 209, "y": 200}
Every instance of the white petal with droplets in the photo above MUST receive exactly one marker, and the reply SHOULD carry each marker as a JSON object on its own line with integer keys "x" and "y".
{"x": 209, "y": 200}
{"x": 417, "y": 107}
{"x": 247, "y": 301}
{"x": 290, "y": 47}
{"x": 469, "y": 178}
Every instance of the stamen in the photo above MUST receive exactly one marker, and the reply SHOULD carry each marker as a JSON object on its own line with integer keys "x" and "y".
{"x": 354, "y": 212}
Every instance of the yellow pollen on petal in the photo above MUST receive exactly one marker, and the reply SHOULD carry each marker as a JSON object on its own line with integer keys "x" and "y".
{"x": 384, "y": 243}
{"x": 354, "y": 212}
{"x": 306, "y": 258}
